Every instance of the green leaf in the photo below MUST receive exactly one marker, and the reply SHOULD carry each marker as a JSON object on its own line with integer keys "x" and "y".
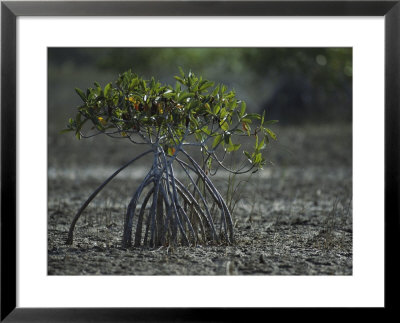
{"x": 169, "y": 95}
{"x": 216, "y": 141}
{"x": 242, "y": 109}
{"x": 233, "y": 147}
{"x": 179, "y": 80}
{"x": 222, "y": 113}
{"x": 185, "y": 96}
{"x": 81, "y": 94}
{"x": 134, "y": 83}
{"x": 181, "y": 71}
{"x": 248, "y": 156}
{"x": 206, "y": 86}
{"x": 269, "y": 122}
{"x": 193, "y": 121}
{"x": 262, "y": 118}
{"x": 215, "y": 92}
{"x": 224, "y": 125}
{"x": 261, "y": 145}
{"x": 209, "y": 162}
{"x": 258, "y": 159}
{"x": 198, "y": 135}
{"x": 271, "y": 133}
{"x": 256, "y": 144}
{"x": 253, "y": 116}
{"x": 206, "y": 130}
{"x": 107, "y": 89}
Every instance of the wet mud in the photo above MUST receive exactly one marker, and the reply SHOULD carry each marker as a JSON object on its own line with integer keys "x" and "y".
{"x": 292, "y": 218}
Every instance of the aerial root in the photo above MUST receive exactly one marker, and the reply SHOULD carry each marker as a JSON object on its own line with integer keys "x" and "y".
{"x": 169, "y": 213}
{"x": 175, "y": 215}
{"x": 94, "y": 194}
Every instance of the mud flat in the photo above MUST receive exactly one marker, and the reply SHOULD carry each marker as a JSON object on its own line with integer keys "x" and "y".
{"x": 293, "y": 218}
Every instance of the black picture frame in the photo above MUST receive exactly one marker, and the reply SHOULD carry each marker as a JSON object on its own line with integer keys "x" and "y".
{"x": 10, "y": 10}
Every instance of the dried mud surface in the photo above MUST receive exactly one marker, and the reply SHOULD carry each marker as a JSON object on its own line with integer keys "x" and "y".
{"x": 293, "y": 218}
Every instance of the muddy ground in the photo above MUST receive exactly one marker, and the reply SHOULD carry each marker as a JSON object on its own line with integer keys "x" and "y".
{"x": 292, "y": 218}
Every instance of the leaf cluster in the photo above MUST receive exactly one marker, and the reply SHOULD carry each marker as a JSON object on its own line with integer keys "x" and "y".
{"x": 148, "y": 112}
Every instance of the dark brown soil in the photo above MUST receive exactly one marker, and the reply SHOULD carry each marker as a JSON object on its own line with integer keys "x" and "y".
{"x": 292, "y": 218}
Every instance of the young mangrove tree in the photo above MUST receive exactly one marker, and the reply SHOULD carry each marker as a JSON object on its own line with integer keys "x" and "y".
{"x": 170, "y": 120}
